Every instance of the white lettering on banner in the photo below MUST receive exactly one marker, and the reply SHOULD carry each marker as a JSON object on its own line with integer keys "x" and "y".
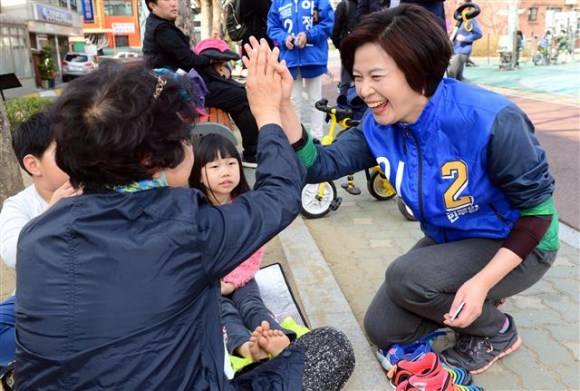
{"x": 123, "y": 28}
{"x": 53, "y": 15}
{"x": 87, "y": 7}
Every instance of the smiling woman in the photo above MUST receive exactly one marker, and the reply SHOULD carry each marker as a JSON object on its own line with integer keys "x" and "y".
{"x": 454, "y": 152}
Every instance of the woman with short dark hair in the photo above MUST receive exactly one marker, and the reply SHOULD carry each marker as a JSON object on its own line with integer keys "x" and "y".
{"x": 466, "y": 162}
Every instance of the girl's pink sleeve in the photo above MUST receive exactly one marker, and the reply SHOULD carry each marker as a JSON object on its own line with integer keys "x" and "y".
{"x": 246, "y": 270}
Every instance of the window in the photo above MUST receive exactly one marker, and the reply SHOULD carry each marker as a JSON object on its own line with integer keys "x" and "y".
{"x": 14, "y": 52}
{"x": 118, "y": 8}
{"x": 121, "y": 40}
{"x": 533, "y": 14}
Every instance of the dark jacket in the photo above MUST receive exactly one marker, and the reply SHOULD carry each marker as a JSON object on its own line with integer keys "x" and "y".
{"x": 255, "y": 16}
{"x": 120, "y": 291}
{"x": 344, "y": 21}
{"x": 165, "y": 46}
{"x": 367, "y": 6}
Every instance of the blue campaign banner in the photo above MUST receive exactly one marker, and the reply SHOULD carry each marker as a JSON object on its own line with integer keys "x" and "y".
{"x": 88, "y": 11}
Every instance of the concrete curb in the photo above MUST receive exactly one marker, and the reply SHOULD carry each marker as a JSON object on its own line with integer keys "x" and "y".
{"x": 325, "y": 305}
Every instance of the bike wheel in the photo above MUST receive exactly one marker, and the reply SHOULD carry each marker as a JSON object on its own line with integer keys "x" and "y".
{"x": 404, "y": 209}
{"x": 379, "y": 187}
{"x": 314, "y": 207}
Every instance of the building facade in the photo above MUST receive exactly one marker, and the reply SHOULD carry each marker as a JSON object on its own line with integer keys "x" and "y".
{"x": 112, "y": 25}
{"x": 28, "y": 26}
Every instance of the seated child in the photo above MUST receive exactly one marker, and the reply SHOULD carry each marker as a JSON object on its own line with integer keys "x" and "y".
{"x": 217, "y": 171}
{"x": 34, "y": 146}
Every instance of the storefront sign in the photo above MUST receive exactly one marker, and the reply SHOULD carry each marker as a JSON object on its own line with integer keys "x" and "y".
{"x": 52, "y": 14}
{"x": 88, "y": 7}
{"x": 123, "y": 28}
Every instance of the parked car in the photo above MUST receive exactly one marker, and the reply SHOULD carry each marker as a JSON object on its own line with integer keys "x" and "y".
{"x": 129, "y": 58}
{"x": 126, "y": 55}
{"x": 77, "y": 64}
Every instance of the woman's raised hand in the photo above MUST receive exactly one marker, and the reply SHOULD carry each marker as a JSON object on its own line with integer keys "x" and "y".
{"x": 265, "y": 86}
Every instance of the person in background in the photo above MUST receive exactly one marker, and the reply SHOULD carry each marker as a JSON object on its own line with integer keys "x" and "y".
{"x": 365, "y": 7}
{"x": 301, "y": 30}
{"x": 488, "y": 216}
{"x": 344, "y": 23}
{"x": 520, "y": 45}
{"x": 217, "y": 172}
{"x": 255, "y": 16}
{"x": 468, "y": 33}
{"x": 165, "y": 46}
{"x": 133, "y": 266}
{"x": 34, "y": 146}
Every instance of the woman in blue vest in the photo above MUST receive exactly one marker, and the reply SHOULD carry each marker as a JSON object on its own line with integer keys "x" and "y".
{"x": 467, "y": 163}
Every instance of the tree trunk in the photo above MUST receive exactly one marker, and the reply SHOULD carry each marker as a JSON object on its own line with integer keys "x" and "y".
{"x": 10, "y": 176}
{"x": 206, "y": 18}
{"x": 216, "y": 21}
{"x": 185, "y": 21}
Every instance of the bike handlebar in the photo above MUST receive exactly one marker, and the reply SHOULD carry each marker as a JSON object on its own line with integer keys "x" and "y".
{"x": 352, "y": 123}
{"x": 322, "y": 105}
{"x": 475, "y": 10}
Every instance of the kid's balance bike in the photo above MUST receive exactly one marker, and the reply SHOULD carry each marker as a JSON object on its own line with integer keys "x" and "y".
{"x": 320, "y": 198}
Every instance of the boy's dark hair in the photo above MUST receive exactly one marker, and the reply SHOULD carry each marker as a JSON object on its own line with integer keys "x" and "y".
{"x": 411, "y": 36}
{"x": 120, "y": 124}
{"x": 150, "y": 1}
{"x": 32, "y": 137}
{"x": 211, "y": 147}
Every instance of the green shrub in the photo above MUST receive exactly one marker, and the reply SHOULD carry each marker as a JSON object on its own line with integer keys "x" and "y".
{"x": 19, "y": 109}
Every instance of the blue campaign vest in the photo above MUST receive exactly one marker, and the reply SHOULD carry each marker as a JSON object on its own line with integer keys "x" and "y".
{"x": 439, "y": 172}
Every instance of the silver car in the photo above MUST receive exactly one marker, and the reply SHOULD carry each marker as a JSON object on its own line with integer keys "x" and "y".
{"x": 77, "y": 64}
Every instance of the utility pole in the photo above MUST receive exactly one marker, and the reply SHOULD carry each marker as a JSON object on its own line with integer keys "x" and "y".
{"x": 512, "y": 30}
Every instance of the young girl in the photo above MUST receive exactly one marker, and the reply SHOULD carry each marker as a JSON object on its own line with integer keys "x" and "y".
{"x": 218, "y": 173}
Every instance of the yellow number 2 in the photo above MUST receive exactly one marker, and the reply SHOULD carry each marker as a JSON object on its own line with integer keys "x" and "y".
{"x": 456, "y": 171}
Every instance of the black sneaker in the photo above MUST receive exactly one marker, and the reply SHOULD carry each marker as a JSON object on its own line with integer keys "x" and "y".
{"x": 477, "y": 354}
{"x": 249, "y": 162}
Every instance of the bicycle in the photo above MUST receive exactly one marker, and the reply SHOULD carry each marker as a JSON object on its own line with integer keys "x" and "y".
{"x": 321, "y": 198}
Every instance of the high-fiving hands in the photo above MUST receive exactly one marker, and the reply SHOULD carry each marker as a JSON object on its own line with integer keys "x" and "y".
{"x": 269, "y": 83}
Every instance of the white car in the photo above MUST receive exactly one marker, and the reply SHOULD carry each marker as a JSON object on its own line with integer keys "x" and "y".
{"x": 77, "y": 64}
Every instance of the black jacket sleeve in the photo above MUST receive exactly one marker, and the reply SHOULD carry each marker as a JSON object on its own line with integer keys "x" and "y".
{"x": 340, "y": 24}
{"x": 176, "y": 49}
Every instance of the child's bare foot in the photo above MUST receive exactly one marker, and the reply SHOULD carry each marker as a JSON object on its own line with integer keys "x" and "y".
{"x": 255, "y": 349}
{"x": 272, "y": 341}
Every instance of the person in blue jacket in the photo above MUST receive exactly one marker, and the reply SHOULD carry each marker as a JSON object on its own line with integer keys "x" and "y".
{"x": 467, "y": 163}
{"x": 301, "y": 30}
{"x": 118, "y": 289}
{"x": 468, "y": 33}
